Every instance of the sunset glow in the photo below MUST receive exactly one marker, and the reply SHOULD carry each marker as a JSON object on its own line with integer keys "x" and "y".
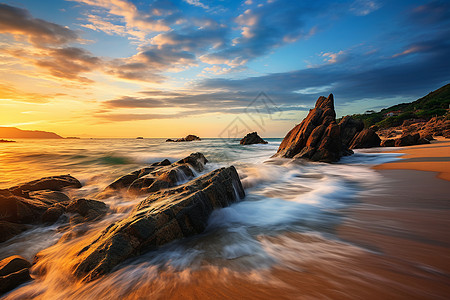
{"x": 97, "y": 68}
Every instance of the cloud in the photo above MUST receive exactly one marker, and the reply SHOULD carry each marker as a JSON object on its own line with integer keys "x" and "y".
{"x": 355, "y": 78}
{"x": 19, "y": 22}
{"x": 196, "y": 3}
{"x": 146, "y": 22}
{"x": 98, "y": 23}
{"x": 8, "y": 92}
{"x": 264, "y": 28}
{"x": 63, "y": 63}
{"x": 364, "y": 7}
{"x": 432, "y": 13}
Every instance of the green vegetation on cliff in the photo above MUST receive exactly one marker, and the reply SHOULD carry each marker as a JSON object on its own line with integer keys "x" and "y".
{"x": 434, "y": 104}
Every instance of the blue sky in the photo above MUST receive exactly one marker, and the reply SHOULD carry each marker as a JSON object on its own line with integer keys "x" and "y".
{"x": 159, "y": 62}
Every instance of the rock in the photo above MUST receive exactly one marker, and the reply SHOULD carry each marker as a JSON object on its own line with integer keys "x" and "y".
{"x": 54, "y": 183}
{"x": 161, "y": 218}
{"x": 367, "y": 138}
{"x": 52, "y": 214}
{"x": 349, "y": 129}
{"x": 388, "y": 143}
{"x": 14, "y": 271}
{"x": 407, "y": 140}
{"x": 252, "y": 138}
{"x": 158, "y": 176}
{"x": 188, "y": 138}
{"x": 49, "y": 197}
{"x": 317, "y": 137}
{"x": 90, "y": 210}
{"x": 6, "y": 141}
{"x": 9, "y": 230}
{"x": 192, "y": 137}
{"x": 17, "y": 209}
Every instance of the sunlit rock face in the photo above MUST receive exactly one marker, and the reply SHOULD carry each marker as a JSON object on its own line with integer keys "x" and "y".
{"x": 317, "y": 137}
{"x": 161, "y": 218}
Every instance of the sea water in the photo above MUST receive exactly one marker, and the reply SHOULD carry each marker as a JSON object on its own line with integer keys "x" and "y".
{"x": 290, "y": 207}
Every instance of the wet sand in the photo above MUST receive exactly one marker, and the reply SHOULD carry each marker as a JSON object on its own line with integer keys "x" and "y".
{"x": 432, "y": 157}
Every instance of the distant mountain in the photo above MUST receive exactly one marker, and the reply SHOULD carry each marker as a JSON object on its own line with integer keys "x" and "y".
{"x": 436, "y": 103}
{"x": 16, "y": 133}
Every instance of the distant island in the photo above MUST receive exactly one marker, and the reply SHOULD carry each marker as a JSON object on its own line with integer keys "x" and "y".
{"x": 16, "y": 133}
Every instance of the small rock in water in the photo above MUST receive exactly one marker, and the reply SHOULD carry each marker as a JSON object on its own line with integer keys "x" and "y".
{"x": 252, "y": 138}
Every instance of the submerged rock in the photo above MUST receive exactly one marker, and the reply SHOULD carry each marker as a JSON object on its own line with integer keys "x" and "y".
{"x": 252, "y": 138}
{"x": 158, "y": 176}
{"x": 367, "y": 138}
{"x": 161, "y": 218}
{"x": 317, "y": 137}
{"x": 14, "y": 271}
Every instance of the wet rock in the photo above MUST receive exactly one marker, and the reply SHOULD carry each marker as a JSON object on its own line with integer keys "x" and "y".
{"x": 14, "y": 271}
{"x": 252, "y": 138}
{"x": 367, "y": 138}
{"x": 350, "y": 127}
{"x": 317, "y": 137}
{"x": 158, "y": 176}
{"x": 89, "y": 210}
{"x": 17, "y": 209}
{"x": 54, "y": 183}
{"x": 161, "y": 218}
{"x": 49, "y": 197}
{"x": 388, "y": 143}
{"x": 9, "y": 230}
{"x": 52, "y": 214}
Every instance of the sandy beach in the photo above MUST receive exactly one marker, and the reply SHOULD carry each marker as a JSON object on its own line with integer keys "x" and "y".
{"x": 434, "y": 157}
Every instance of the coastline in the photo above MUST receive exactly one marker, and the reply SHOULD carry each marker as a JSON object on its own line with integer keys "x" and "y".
{"x": 434, "y": 157}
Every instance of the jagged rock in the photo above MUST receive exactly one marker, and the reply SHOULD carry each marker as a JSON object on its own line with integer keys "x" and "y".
{"x": 252, "y": 138}
{"x": 14, "y": 271}
{"x": 9, "y": 230}
{"x": 388, "y": 143}
{"x": 317, "y": 137}
{"x": 158, "y": 176}
{"x": 161, "y": 218}
{"x": 367, "y": 138}
{"x": 349, "y": 129}
{"x": 90, "y": 210}
{"x": 54, "y": 183}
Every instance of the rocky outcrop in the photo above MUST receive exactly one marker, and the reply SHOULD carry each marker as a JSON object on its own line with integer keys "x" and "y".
{"x": 188, "y": 138}
{"x": 54, "y": 183}
{"x": 158, "y": 176}
{"x": 367, "y": 138}
{"x": 252, "y": 138}
{"x": 27, "y": 204}
{"x": 350, "y": 127}
{"x": 14, "y": 271}
{"x": 6, "y": 141}
{"x": 161, "y": 218}
{"x": 317, "y": 137}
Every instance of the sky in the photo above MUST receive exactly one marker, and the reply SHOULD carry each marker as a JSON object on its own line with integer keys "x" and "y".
{"x": 122, "y": 68}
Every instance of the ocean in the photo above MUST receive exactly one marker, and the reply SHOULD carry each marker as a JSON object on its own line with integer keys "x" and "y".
{"x": 283, "y": 229}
